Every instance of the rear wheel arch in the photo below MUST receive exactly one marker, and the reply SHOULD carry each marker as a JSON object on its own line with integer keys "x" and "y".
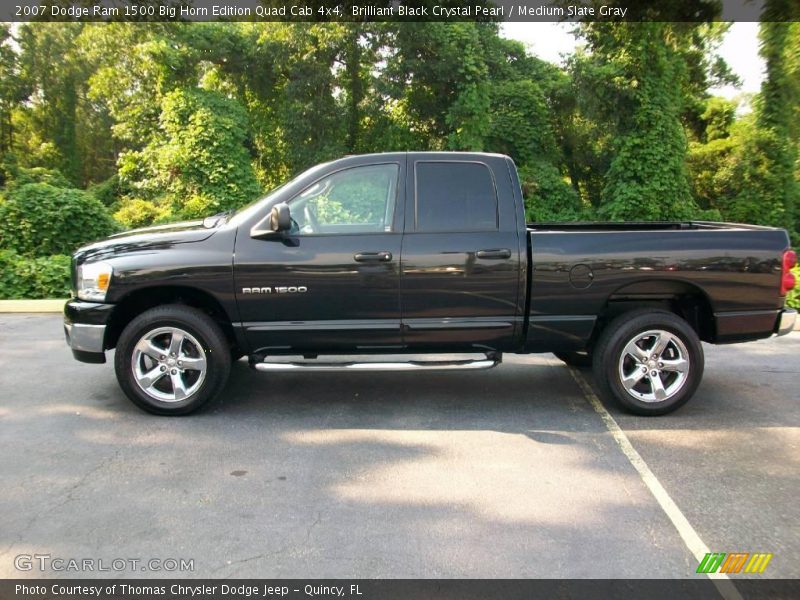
{"x": 683, "y": 299}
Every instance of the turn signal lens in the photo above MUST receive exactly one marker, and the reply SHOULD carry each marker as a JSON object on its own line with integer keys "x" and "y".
{"x": 93, "y": 281}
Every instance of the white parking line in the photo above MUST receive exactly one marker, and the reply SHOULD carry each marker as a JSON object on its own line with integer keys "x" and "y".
{"x": 690, "y": 537}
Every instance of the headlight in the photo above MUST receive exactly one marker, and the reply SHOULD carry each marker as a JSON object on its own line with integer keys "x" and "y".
{"x": 93, "y": 281}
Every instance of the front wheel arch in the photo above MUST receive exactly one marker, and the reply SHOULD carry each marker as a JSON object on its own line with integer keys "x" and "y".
{"x": 140, "y": 300}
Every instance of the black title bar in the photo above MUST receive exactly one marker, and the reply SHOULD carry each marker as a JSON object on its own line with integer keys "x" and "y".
{"x": 383, "y": 10}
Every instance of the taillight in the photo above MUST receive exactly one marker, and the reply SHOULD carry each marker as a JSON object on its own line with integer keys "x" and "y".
{"x": 788, "y": 280}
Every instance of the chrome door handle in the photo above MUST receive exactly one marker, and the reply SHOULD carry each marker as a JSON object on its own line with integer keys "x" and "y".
{"x": 383, "y": 256}
{"x": 494, "y": 254}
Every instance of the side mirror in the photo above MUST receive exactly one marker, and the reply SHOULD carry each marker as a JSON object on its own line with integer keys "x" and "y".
{"x": 279, "y": 218}
{"x": 277, "y": 221}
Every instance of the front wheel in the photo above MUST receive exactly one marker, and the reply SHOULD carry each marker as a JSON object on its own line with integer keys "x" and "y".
{"x": 171, "y": 360}
{"x": 650, "y": 362}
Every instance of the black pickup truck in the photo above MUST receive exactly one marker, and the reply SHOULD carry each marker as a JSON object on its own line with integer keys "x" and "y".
{"x": 418, "y": 253}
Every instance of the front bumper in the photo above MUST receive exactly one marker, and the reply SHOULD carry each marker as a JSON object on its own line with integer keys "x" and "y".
{"x": 85, "y": 326}
{"x": 787, "y": 321}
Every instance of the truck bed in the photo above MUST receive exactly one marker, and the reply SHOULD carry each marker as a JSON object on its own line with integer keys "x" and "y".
{"x": 727, "y": 272}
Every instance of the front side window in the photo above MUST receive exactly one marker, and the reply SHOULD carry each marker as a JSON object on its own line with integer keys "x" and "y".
{"x": 455, "y": 196}
{"x": 357, "y": 200}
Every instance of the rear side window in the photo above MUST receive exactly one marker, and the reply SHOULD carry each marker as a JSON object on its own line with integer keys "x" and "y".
{"x": 454, "y": 196}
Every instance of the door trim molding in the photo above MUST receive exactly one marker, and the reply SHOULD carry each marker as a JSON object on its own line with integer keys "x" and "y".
{"x": 461, "y": 323}
{"x": 333, "y": 325}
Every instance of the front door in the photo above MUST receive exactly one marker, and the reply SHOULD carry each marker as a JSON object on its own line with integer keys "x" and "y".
{"x": 332, "y": 283}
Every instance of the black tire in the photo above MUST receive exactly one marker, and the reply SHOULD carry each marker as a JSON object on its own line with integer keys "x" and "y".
{"x": 611, "y": 350}
{"x": 205, "y": 382}
{"x": 579, "y": 359}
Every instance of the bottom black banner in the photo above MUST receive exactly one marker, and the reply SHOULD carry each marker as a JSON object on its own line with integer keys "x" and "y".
{"x": 390, "y": 589}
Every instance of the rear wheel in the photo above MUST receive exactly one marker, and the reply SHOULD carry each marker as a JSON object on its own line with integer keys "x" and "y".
{"x": 650, "y": 362}
{"x": 171, "y": 360}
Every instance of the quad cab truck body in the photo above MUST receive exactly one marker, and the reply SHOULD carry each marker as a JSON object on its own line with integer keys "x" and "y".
{"x": 415, "y": 253}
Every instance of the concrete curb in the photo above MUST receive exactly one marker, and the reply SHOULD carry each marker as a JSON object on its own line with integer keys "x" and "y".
{"x": 32, "y": 306}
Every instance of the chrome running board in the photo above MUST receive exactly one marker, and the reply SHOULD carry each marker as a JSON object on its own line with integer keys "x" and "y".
{"x": 491, "y": 360}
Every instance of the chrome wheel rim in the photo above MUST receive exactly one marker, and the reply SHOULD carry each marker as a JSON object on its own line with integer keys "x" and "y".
{"x": 168, "y": 364}
{"x": 654, "y": 366}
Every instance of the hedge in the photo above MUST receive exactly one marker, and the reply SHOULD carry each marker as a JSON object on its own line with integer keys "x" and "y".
{"x": 41, "y": 220}
{"x": 32, "y": 278}
{"x": 793, "y": 299}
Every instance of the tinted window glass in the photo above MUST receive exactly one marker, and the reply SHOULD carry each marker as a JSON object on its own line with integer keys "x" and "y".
{"x": 455, "y": 197}
{"x": 357, "y": 200}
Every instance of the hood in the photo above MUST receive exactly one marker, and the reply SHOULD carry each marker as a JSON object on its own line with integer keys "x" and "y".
{"x": 158, "y": 237}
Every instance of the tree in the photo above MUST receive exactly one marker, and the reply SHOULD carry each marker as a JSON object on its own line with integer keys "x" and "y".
{"x": 50, "y": 116}
{"x": 637, "y": 72}
{"x": 438, "y": 73}
{"x": 12, "y": 89}
{"x": 183, "y": 118}
{"x": 200, "y": 158}
{"x": 774, "y": 183}
{"x": 521, "y": 124}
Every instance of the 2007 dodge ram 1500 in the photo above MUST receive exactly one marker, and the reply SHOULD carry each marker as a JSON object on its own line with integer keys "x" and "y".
{"x": 420, "y": 253}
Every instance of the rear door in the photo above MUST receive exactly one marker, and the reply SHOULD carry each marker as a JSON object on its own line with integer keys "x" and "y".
{"x": 463, "y": 259}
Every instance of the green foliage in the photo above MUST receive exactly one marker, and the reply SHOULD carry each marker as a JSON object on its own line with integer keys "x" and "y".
{"x": 108, "y": 192}
{"x": 12, "y": 89}
{"x": 773, "y": 176}
{"x": 548, "y": 197}
{"x": 718, "y": 117}
{"x": 520, "y": 126}
{"x": 449, "y": 99}
{"x": 199, "y": 205}
{"x": 26, "y": 277}
{"x": 135, "y": 212}
{"x": 710, "y": 169}
{"x": 40, "y": 219}
{"x": 759, "y": 188}
{"x": 643, "y": 74}
{"x": 161, "y": 121}
{"x": 793, "y": 297}
{"x": 747, "y": 169}
{"x": 735, "y": 175}
{"x": 201, "y": 160}
{"x": 51, "y": 121}
{"x": 23, "y": 176}
{"x": 519, "y": 121}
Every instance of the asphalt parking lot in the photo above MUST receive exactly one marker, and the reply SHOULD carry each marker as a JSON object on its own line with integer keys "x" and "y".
{"x": 508, "y": 473}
